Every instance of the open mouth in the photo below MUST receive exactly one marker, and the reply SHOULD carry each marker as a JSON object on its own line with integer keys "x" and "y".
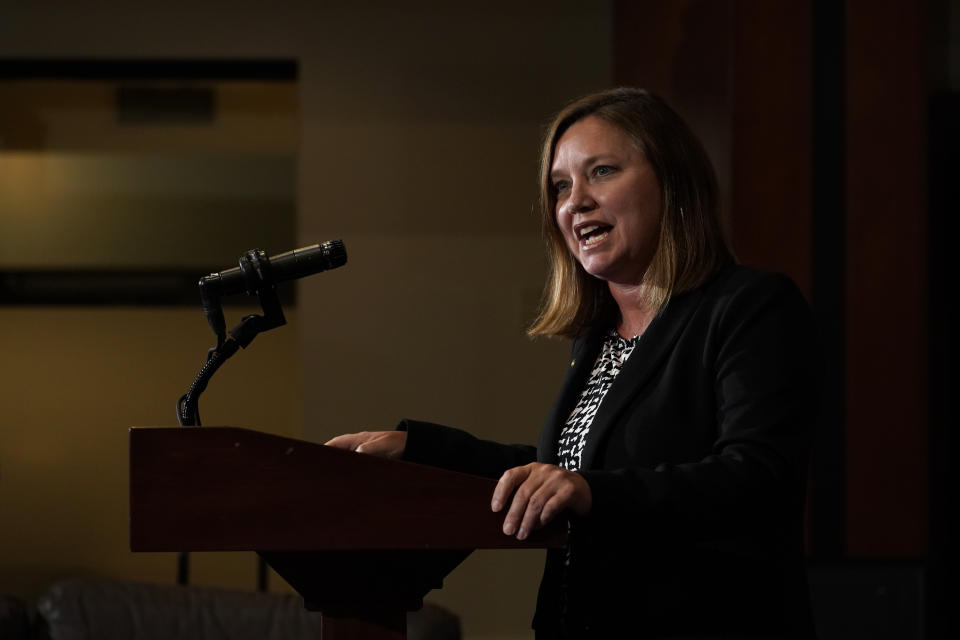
{"x": 591, "y": 234}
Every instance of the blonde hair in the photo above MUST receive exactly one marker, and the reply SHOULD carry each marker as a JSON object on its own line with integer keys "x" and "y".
{"x": 691, "y": 246}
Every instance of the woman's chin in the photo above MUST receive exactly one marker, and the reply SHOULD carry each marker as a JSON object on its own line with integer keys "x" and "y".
{"x": 619, "y": 278}
{"x": 599, "y": 266}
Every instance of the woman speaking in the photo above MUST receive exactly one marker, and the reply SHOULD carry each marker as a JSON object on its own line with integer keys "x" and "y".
{"x": 677, "y": 447}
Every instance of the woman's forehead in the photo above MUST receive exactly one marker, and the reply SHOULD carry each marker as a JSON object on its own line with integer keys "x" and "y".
{"x": 592, "y": 137}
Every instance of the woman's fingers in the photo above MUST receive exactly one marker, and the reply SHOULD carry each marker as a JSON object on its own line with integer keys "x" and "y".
{"x": 540, "y": 493}
{"x": 530, "y": 517}
{"x": 388, "y": 444}
{"x": 520, "y": 504}
{"x": 510, "y": 479}
{"x": 347, "y": 441}
{"x": 557, "y": 503}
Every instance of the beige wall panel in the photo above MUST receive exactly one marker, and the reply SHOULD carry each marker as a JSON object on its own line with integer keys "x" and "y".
{"x": 73, "y": 381}
{"x": 418, "y": 144}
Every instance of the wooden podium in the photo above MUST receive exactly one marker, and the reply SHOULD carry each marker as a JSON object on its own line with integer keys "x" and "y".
{"x": 361, "y": 538}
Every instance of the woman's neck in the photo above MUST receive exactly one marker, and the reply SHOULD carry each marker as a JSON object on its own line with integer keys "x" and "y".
{"x": 635, "y": 313}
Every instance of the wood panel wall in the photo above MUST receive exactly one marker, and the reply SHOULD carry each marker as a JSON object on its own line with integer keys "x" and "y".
{"x": 814, "y": 115}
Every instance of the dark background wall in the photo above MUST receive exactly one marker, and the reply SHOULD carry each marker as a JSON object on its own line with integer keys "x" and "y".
{"x": 833, "y": 125}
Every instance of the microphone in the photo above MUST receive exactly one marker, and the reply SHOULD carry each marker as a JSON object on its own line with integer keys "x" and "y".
{"x": 257, "y": 270}
{"x": 258, "y": 273}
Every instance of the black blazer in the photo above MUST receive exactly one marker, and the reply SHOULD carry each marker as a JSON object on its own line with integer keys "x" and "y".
{"x": 696, "y": 460}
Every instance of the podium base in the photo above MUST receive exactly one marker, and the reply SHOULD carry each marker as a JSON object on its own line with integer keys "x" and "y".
{"x": 374, "y": 625}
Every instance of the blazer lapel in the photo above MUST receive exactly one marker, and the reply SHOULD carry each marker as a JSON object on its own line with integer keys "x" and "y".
{"x": 582, "y": 357}
{"x": 655, "y": 344}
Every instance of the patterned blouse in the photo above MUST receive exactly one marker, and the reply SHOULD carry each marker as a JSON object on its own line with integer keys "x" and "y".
{"x": 573, "y": 436}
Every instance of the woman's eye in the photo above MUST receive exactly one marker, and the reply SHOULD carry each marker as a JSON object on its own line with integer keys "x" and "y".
{"x": 560, "y": 185}
{"x": 603, "y": 170}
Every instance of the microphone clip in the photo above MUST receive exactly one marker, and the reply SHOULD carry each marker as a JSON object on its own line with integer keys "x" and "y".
{"x": 258, "y": 280}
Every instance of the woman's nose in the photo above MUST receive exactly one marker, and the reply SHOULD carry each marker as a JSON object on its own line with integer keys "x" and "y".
{"x": 580, "y": 198}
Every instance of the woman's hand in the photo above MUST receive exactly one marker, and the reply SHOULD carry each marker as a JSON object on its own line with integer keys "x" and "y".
{"x": 387, "y": 444}
{"x": 542, "y": 491}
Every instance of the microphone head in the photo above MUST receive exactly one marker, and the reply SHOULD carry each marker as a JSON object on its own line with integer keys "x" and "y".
{"x": 285, "y": 266}
{"x": 335, "y": 253}
{"x": 308, "y": 260}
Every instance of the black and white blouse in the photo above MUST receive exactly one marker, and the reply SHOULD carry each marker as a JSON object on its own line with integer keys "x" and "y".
{"x": 573, "y": 436}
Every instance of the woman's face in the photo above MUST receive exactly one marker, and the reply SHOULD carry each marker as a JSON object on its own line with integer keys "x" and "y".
{"x": 608, "y": 201}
